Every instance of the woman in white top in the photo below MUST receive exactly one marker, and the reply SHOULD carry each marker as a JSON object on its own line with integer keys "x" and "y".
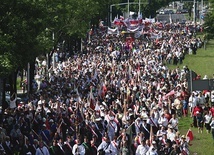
{"x": 207, "y": 120}
{"x": 78, "y": 148}
{"x": 174, "y": 122}
{"x": 212, "y": 127}
{"x": 13, "y": 99}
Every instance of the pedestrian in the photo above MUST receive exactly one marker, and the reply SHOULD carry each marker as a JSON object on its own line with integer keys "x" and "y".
{"x": 212, "y": 128}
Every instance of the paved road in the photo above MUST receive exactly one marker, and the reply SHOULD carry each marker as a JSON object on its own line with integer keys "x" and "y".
{"x": 175, "y": 17}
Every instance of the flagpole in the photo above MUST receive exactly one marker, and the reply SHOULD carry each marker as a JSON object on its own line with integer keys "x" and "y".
{"x": 128, "y": 7}
{"x": 139, "y": 9}
{"x": 151, "y": 134}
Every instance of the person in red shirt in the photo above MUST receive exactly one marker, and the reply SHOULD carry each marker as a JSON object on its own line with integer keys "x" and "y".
{"x": 196, "y": 109}
{"x": 212, "y": 110}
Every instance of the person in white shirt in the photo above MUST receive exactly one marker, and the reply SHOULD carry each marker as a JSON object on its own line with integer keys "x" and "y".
{"x": 144, "y": 113}
{"x": 114, "y": 146}
{"x": 142, "y": 148}
{"x": 152, "y": 149}
{"x": 78, "y": 148}
{"x": 138, "y": 125}
{"x": 13, "y": 99}
{"x": 156, "y": 113}
{"x": 192, "y": 102}
{"x": 170, "y": 133}
{"x": 163, "y": 120}
{"x": 111, "y": 128}
{"x": 212, "y": 127}
{"x": 42, "y": 149}
{"x": 174, "y": 122}
{"x": 207, "y": 120}
{"x": 161, "y": 132}
{"x": 107, "y": 146}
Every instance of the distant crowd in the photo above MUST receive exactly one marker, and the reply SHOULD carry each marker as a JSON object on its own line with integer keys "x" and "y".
{"x": 116, "y": 98}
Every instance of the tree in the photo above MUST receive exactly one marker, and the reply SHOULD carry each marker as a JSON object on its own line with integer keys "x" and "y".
{"x": 20, "y": 26}
{"x": 209, "y": 21}
{"x": 26, "y": 28}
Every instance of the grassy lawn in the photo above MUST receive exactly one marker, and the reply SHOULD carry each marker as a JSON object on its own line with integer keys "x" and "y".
{"x": 201, "y": 63}
{"x": 202, "y": 144}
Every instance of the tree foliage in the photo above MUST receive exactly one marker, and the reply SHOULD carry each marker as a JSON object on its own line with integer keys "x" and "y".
{"x": 209, "y": 21}
{"x": 27, "y": 27}
{"x": 20, "y": 25}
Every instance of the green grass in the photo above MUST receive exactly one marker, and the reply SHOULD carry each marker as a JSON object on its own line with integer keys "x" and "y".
{"x": 202, "y": 144}
{"x": 202, "y": 62}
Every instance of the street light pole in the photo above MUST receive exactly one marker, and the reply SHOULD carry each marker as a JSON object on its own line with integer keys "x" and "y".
{"x": 128, "y": 3}
{"x": 194, "y": 12}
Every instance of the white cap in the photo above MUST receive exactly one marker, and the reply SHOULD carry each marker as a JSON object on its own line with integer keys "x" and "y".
{"x": 153, "y": 142}
{"x": 51, "y": 121}
{"x": 129, "y": 109}
{"x": 98, "y": 119}
{"x": 44, "y": 119}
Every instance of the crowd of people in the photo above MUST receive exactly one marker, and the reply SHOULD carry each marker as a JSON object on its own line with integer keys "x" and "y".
{"x": 118, "y": 99}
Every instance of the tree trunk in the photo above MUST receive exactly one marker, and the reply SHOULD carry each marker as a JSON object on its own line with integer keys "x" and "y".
{"x": 15, "y": 81}
{"x": 11, "y": 84}
{"x": 21, "y": 78}
{"x": 32, "y": 68}
{"x": 4, "y": 104}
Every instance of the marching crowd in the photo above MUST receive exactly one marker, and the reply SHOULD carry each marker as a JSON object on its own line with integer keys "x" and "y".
{"x": 119, "y": 99}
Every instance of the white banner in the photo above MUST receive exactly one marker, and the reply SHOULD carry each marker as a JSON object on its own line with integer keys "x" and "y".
{"x": 156, "y": 35}
{"x": 152, "y": 20}
{"x": 112, "y": 31}
{"x": 133, "y": 30}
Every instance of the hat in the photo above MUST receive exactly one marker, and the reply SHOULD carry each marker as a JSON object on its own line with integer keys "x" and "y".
{"x": 197, "y": 112}
{"x": 39, "y": 103}
{"x": 143, "y": 108}
{"x": 51, "y": 121}
{"x": 98, "y": 119}
{"x": 35, "y": 140}
{"x": 44, "y": 125}
{"x": 183, "y": 137}
{"x": 170, "y": 127}
{"x": 153, "y": 142}
{"x": 154, "y": 108}
{"x": 129, "y": 109}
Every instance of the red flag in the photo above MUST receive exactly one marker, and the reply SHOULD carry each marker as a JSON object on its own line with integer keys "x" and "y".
{"x": 189, "y": 135}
